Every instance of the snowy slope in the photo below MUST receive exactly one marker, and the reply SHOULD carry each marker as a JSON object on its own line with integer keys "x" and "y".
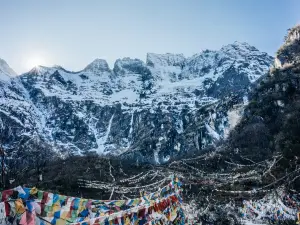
{"x": 151, "y": 111}
{"x": 5, "y": 71}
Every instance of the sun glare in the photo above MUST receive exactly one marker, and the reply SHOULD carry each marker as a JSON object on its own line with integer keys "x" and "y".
{"x": 34, "y": 61}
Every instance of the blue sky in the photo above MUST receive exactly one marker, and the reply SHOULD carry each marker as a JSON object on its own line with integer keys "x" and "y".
{"x": 73, "y": 33}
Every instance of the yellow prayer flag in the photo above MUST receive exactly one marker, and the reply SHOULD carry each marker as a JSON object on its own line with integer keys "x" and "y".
{"x": 33, "y": 191}
{"x": 20, "y": 209}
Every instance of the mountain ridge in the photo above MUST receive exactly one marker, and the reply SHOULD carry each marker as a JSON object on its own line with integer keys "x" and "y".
{"x": 161, "y": 108}
{"x": 237, "y": 45}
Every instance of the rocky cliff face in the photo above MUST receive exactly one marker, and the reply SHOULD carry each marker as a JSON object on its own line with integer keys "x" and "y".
{"x": 152, "y": 111}
{"x": 288, "y": 53}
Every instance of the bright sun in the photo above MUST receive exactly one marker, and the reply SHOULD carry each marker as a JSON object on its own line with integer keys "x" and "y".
{"x": 34, "y": 61}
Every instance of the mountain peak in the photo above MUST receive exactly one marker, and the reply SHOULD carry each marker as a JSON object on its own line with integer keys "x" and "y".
{"x": 128, "y": 65}
{"x": 241, "y": 43}
{"x": 168, "y": 59}
{"x": 239, "y": 46}
{"x": 98, "y": 65}
{"x": 5, "y": 71}
{"x": 37, "y": 70}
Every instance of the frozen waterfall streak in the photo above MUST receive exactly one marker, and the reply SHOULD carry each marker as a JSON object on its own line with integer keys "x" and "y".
{"x": 131, "y": 123}
{"x": 130, "y": 130}
{"x": 108, "y": 128}
{"x": 102, "y": 140}
{"x": 92, "y": 126}
{"x": 1, "y": 124}
{"x": 212, "y": 132}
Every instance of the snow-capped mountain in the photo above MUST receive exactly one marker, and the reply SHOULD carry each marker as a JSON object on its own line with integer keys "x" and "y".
{"x": 151, "y": 111}
{"x": 5, "y": 71}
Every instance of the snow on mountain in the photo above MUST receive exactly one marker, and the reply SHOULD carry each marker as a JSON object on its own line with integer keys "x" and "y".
{"x": 241, "y": 56}
{"x": 5, "y": 71}
{"x": 98, "y": 65}
{"x": 151, "y": 111}
{"x": 164, "y": 60}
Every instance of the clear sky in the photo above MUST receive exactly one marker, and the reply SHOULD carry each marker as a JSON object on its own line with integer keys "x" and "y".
{"x": 72, "y": 33}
